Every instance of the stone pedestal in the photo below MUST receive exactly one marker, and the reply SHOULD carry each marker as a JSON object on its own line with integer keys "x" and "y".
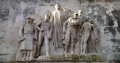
{"x": 68, "y": 58}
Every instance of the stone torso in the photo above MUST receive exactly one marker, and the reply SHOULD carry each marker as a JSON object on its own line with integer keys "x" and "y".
{"x": 28, "y": 28}
{"x": 87, "y": 28}
{"x": 72, "y": 24}
{"x": 59, "y": 17}
{"x": 46, "y": 27}
{"x": 56, "y": 19}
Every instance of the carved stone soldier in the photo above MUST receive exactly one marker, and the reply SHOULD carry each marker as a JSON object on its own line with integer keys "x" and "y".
{"x": 69, "y": 29}
{"x": 27, "y": 36}
{"x": 85, "y": 32}
{"x": 45, "y": 33}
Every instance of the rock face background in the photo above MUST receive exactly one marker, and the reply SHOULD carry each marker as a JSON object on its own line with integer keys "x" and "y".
{"x": 105, "y": 14}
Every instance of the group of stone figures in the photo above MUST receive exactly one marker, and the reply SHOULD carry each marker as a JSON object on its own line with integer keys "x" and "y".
{"x": 63, "y": 27}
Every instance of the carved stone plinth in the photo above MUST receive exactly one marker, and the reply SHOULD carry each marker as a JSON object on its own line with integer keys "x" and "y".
{"x": 72, "y": 58}
{"x": 68, "y": 58}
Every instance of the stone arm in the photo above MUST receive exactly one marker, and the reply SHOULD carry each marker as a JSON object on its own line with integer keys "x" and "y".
{"x": 35, "y": 32}
{"x": 64, "y": 29}
{"x": 51, "y": 23}
{"x": 79, "y": 22}
{"x": 21, "y": 33}
{"x": 64, "y": 26}
{"x": 95, "y": 31}
{"x": 50, "y": 31}
{"x": 37, "y": 26}
{"x": 52, "y": 18}
{"x": 69, "y": 12}
{"x": 81, "y": 30}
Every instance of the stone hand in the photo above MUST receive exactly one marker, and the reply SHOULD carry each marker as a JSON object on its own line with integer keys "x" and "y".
{"x": 21, "y": 39}
{"x": 64, "y": 32}
{"x": 41, "y": 30}
{"x": 96, "y": 38}
{"x": 63, "y": 37}
{"x": 80, "y": 34}
{"x": 35, "y": 39}
{"x": 49, "y": 36}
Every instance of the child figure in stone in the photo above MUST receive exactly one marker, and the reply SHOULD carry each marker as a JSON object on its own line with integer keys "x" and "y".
{"x": 69, "y": 30}
{"x": 45, "y": 33}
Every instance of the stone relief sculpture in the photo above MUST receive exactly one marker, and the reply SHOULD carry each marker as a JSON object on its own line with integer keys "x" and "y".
{"x": 27, "y": 37}
{"x": 70, "y": 33}
{"x": 45, "y": 34}
{"x": 85, "y": 34}
{"x": 61, "y": 27}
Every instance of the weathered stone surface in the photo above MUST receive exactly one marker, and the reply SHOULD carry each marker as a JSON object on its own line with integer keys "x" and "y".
{"x": 14, "y": 12}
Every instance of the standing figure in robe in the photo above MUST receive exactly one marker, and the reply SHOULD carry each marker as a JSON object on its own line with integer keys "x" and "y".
{"x": 27, "y": 37}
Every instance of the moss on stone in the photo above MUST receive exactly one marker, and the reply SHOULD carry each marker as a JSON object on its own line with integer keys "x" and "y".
{"x": 78, "y": 58}
{"x": 75, "y": 57}
{"x": 11, "y": 61}
{"x": 94, "y": 57}
{"x": 58, "y": 56}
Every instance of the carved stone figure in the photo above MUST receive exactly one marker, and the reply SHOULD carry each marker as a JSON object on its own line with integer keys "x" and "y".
{"x": 80, "y": 18}
{"x": 38, "y": 19}
{"x": 85, "y": 32}
{"x": 80, "y": 23}
{"x": 27, "y": 36}
{"x": 80, "y": 15}
{"x": 69, "y": 29}
{"x": 58, "y": 18}
{"x": 45, "y": 32}
{"x": 94, "y": 39}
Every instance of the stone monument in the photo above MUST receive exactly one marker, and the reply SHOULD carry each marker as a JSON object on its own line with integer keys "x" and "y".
{"x": 61, "y": 28}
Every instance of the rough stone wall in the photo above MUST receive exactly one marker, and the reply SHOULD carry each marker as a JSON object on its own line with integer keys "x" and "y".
{"x": 105, "y": 15}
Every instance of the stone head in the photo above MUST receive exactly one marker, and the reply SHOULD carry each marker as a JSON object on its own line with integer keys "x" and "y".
{"x": 91, "y": 21}
{"x": 87, "y": 19}
{"x": 79, "y": 12}
{"x": 75, "y": 15}
{"x": 57, "y": 6}
{"x": 47, "y": 17}
{"x": 30, "y": 19}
